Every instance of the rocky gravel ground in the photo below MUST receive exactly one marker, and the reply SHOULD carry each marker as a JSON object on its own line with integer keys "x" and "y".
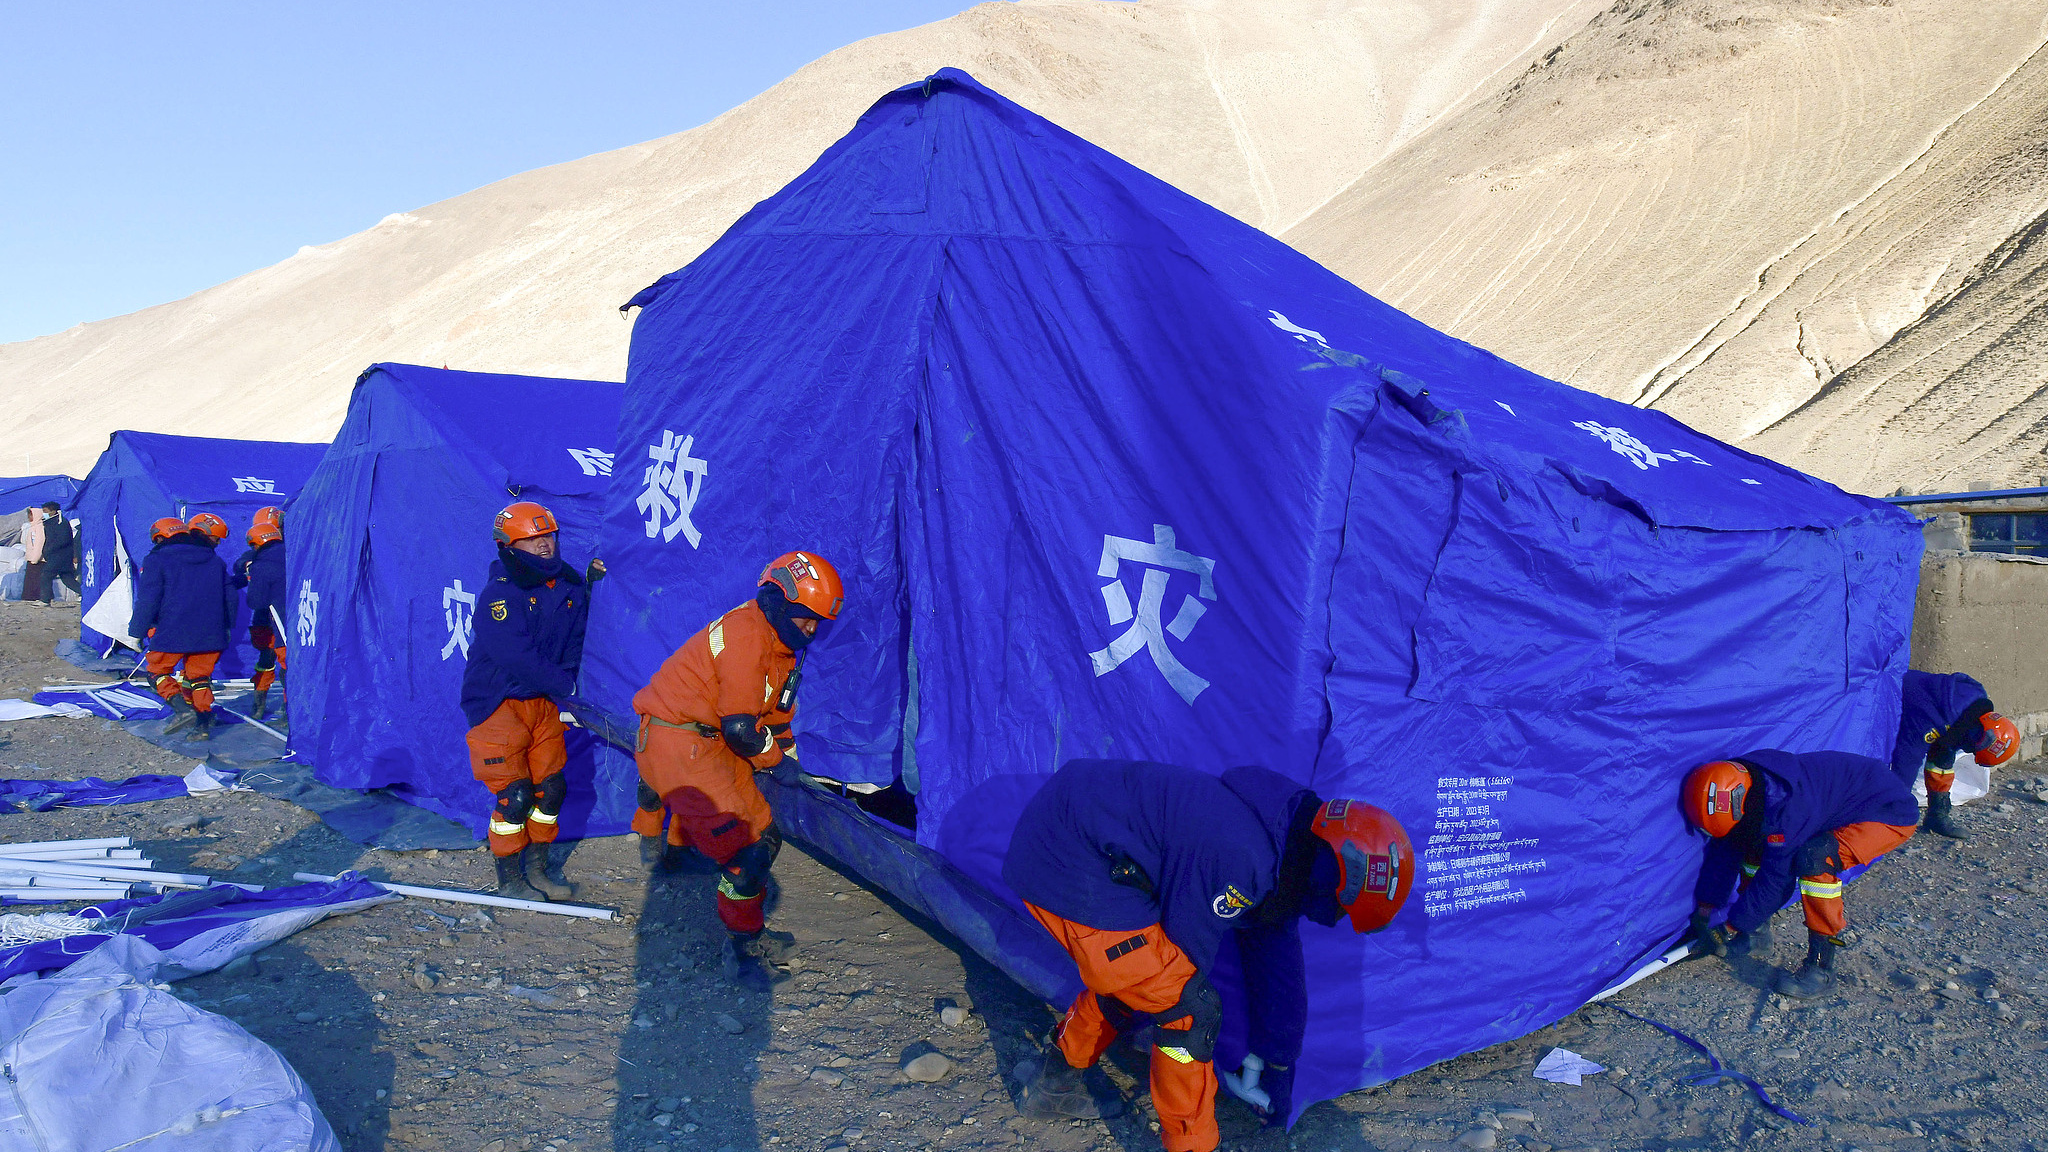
{"x": 429, "y": 1026}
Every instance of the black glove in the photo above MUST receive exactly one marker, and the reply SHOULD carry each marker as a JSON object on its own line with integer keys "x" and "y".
{"x": 1706, "y": 940}
{"x": 593, "y": 572}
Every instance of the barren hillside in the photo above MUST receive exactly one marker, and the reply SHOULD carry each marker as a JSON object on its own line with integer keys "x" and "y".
{"x": 1812, "y": 227}
{"x": 1265, "y": 108}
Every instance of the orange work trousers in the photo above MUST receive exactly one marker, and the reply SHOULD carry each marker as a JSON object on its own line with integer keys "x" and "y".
{"x": 522, "y": 740}
{"x": 713, "y": 805}
{"x": 1820, "y": 895}
{"x": 1939, "y": 781}
{"x": 195, "y": 683}
{"x": 1143, "y": 971}
{"x": 269, "y": 656}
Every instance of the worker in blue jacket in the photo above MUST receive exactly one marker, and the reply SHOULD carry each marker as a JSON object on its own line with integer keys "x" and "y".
{"x": 1783, "y": 822}
{"x": 523, "y": 661}
{"x": 184, "y": 610}
{"x": 1141, "y": 870}
{"x": 1941, "y": 715}
{"x": 261, "y": 571}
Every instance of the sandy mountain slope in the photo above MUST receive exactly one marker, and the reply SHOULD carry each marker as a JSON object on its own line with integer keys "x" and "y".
{"x": 1265, "y": 108}
{"x": 1808, "y": 226}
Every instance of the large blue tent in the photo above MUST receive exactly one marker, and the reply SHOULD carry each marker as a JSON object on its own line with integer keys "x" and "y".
{"x": 390, "y": 542}
{"x": 145, "y": 476}
{"x": 18, "y": 492}
{"x": 1110, "y": 473}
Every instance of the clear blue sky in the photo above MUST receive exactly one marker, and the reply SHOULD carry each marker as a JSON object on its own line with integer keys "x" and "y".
{"x": 148, "y": 150}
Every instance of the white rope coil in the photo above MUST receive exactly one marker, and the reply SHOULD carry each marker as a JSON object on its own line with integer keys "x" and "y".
{"x": 17, "y": 929}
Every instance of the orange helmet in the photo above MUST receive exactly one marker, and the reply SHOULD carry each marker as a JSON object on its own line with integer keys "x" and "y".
{"x": 523, "y": 521}
{"x": 216, "y": 529}
{"x": 2001, "y": 740}
{"x": 263, "y": 532}
{"x": 1714, "y": 796}
{"x": 166, "y": 528}
{"x": 1375, "y": 861}
{"x": 271, "y": 516}
{"x": 811, "y": 582}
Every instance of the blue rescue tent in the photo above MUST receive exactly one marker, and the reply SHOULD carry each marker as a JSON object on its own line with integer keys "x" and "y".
{"x": 19, "y": 492}
{"x": 145, "y": 476}
{"x": 390, "y": 541}
{"x": 1110, "y": 473}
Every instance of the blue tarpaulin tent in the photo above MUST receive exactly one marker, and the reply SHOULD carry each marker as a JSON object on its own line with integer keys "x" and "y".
{"x": 144, "y": 476}
{"x": 1110, "y": 473}
{"x": 18, "y": 492}
{"x": 390, "y": 541}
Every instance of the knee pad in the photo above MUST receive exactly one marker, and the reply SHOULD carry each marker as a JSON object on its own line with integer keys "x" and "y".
{"x": 743, "y": 734}
{"x": 648, "y": 799}
{"x": 549, "y": 796}
{"x": 515, "y": 802}
{"x": 1121, "y": 1016}
{"x": 747, "y": 871}
{"x": 1819, "y": 855}
{"x": 1202, "y": 1010}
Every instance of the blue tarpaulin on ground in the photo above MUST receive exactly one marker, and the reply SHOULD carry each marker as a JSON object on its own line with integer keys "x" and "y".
{"x": 390, "y": 542}
{"x": 43, "y": 795}
{"x": 145, "y": 476}
{"x": 1111, "y": 473}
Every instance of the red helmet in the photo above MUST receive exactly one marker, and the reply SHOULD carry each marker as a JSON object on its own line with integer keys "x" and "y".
{"x": 2001, "y": 740}
{"x": 166, "y": 528}
{"x": 215, "y": 528}
{"x": 1375, "y": 861}
{"x": 271, "y": 516}
{"x": 262, "y": 532}
{"x": 523, "y": 521}
{"x": 1714, "y": 796}
{"x": 809, "y": 581}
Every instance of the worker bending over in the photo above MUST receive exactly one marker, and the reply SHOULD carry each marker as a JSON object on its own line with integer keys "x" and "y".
{"x": 528, "y": 647}
{"x": 1140, "y": 870}
{"x": 1782, "y": 821}
{"x": 1941, "y": 715}
{"x": 184, "y": 610}
{"x": 718, "y": 709}
{"x": 261, "y": 571}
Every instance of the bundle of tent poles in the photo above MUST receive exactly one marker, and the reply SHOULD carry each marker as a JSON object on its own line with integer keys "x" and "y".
{"x": 103, "y": 869}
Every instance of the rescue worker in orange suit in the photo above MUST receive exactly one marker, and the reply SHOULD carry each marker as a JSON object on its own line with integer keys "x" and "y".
{"x": 1941, "y": 715}
{"x": 717, "y": 710}
{"x": 261, "y": 571}
{"x": 1781, "y": 821}
{"x": 523, "y": 661}
{"x": 184, "y": 609}
{"x": 1140, "y": 870}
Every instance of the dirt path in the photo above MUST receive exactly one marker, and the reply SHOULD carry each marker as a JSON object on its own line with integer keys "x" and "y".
{"x": 523, "y": 1031}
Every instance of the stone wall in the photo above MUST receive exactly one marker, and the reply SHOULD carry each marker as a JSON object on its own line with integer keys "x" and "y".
{"x": 1987, "y": 615}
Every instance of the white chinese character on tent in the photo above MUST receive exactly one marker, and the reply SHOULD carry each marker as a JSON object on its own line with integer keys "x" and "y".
{"x": 593, "y": 461}
{"x": 1162, "y": 558}
{"x": 309, "y": 614}
{"x": 670, "y": 487}
{"x": 1624, "y": 442}
{"x": 458, "y": 609}
{"x": 91, "y": 569}
{"x": 255, "y": 484}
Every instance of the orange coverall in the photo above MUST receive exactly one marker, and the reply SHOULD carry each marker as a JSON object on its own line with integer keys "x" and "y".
{"x": 735, "y": 666}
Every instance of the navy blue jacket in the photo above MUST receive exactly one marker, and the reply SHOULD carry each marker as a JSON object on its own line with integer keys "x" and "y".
{"x": 183, "y": 593}
{"x": 1795, "y": 798}
{"x": 1938, "y": 717}
{"x": 529, "y": 623}
{"x": 264, "y": 576}
{"x": 60, "y": 544}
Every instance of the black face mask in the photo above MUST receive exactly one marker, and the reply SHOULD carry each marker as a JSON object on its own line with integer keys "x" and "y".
{"x": 1320, "y": 904}
{"x": 528, "y": 570}
{"x": 783, "y": 615}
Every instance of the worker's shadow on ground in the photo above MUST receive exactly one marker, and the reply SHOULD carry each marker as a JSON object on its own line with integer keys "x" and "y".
{"x": 690, "y": 1056}
{"x": 341, "y": 1054}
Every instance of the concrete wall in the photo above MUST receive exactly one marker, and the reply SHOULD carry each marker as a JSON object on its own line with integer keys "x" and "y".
{"x": 1987, "y": 615}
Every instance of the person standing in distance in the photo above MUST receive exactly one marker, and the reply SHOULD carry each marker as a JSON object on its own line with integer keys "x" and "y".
{"x": 261, "y": 571}
{"x": 528, "y": 646}
{"x": 184, "y": 610}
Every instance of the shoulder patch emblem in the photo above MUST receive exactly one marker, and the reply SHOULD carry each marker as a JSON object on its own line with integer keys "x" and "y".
{"x": 498, "y": 610}
{"x": 717, "y": 637}
{"x": 1229, "y": 902}
{"x": 1933, "y": 734}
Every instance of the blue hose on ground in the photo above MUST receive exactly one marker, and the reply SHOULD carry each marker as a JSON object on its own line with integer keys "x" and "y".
{"x": 1716, "y": 1072}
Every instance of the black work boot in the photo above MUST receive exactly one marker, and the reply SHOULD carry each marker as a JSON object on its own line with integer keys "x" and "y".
{"x": 1059, "y": 1092}
{"x": 182, "y": 713}
{"x": 259, "y": 703}
{"x": 512, "y": 879}
{"x": 652, "y": 851}
{"x": 202, "y": 726}
{"x": 1941, "y": 816}
{"x": 537, "y": 874}
{"x": 1816, "y": 977}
